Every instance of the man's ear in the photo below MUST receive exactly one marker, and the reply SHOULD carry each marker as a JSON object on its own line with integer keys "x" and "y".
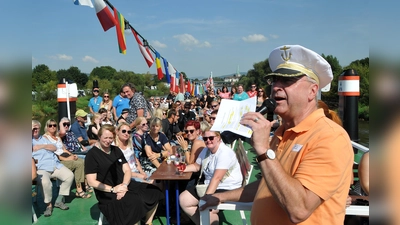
{"x": 313, "y": 92}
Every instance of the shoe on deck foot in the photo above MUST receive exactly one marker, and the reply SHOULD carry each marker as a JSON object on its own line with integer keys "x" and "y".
{"x": 61, "y": 205}
{"x": 48, "y": 211}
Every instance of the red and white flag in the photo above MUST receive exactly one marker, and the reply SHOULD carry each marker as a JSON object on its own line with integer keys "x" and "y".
{"x": 144, "y": 50}
{"x": 104, "y": 14}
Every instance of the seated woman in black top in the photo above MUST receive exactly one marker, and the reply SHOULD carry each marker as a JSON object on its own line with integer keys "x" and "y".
{"x": 94, "y": 127}
{"x": 156, "y": 147}
{"x": 121, "y": 200}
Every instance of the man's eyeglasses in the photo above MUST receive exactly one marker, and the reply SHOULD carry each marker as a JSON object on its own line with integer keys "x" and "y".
{"x": 253, "y": 86}
{"x": 286, "y": 81}
{"x": 66, "y": 124}
{"x": 214, "y": 106}
{"x": 191, "y": 131}
{"x": 124, "y": 131}
{"x": 96, "y": 91}
{"x": 212, "y": 117}
{"x": 164, "y": 113}
{"x": 52, "y": 125}
{"x": 210, "y": 137}
{"x": 35, "y": 129}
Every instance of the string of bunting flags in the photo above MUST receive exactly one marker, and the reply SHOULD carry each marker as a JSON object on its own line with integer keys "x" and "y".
{"x": 110, "y": 19}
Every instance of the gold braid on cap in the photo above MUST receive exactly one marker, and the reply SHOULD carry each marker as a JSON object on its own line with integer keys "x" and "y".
{"x": 292, "y": 66}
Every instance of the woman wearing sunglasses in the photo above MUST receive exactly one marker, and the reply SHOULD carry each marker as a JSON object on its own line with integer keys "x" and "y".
{"x": 156, "y": 147}
{"x": 141, "y": 128}
{"x": 220, "y": 169}
{"x": 261, "y": 96}
{"x": 195, "y": 143}
{"x": 107, "y": 102}
{"x": 124, "y": 142}
{"x": 71, "y": 161}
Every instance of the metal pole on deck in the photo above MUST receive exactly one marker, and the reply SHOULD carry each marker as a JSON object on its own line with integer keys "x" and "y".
{"x": 348, "y": 91}
{"x": 68, "y": 108}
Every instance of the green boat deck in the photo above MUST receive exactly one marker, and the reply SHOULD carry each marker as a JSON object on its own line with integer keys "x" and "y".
{"x": 86, "y": 212}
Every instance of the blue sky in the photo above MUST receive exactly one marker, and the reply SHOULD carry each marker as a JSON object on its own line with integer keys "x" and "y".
{"x": 196, "y": 37}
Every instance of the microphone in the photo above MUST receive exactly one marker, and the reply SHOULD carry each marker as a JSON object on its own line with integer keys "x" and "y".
{"x": 268, "y": 106}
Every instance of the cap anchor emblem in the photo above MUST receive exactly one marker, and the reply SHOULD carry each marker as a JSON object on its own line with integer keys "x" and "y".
{"x": 286, "y": 57}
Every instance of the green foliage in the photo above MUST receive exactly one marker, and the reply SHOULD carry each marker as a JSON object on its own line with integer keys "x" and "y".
{"x": 73, "y": 74}
{"x": 256, "y": 75}
{"x": 363, "y": 112}
{"x": 41, "y": 74}
{"x": 82, "y": 103}
{"x": 103, "y": 72}
{"x": 331, "y": 97}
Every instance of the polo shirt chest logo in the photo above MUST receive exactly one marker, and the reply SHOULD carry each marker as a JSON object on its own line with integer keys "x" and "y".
{"x": 297, "y": 147}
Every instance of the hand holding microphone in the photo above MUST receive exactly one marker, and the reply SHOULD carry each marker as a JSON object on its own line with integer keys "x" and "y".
{"x": 268, "y": 106}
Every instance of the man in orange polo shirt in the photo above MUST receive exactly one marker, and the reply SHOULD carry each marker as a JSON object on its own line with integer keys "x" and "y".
{"x": 307, "y": 166}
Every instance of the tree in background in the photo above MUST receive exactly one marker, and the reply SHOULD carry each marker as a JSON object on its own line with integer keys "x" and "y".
{"x": 73, "y": 75}
{"x": 256, "y": 76}
{"x": 41, "y": 74}
{"x": 103, "y": 72}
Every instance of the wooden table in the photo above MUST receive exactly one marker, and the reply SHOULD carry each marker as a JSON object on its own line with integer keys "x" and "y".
{"x": 167, "y": 172}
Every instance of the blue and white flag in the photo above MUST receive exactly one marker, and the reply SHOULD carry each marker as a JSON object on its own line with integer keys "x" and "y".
{"x": 84, "y": 2}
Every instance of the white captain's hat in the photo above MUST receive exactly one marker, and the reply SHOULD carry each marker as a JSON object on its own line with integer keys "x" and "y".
{"x": 296, "y": 60}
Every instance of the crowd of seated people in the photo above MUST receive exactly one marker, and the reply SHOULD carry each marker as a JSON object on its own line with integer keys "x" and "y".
{"x": 176, "y": 125}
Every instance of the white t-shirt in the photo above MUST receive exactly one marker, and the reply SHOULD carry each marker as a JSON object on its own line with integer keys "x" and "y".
{"x": 224, "y": 158}
{"x": 130, "y": 158}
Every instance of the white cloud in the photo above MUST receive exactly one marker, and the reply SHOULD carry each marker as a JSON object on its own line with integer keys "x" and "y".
{"x": 89, "y": 59}
{"x": 254, "y": 38}
{"x": 63, "y": 57}
{"x": 274, "y": 36}
{"x": 158, "y": 44}
{"x": 189, "y": 41}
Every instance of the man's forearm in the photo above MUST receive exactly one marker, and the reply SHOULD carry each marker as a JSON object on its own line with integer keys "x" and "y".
{"x": 243, "y": 194}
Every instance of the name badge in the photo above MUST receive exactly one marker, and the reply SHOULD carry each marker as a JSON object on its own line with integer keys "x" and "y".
{"x": 158, "y": 142}
{"x": 297, "y": 148}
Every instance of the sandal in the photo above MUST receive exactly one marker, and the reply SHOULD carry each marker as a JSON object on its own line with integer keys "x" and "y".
{"x": 82, "y": 194}
{"x": 89, "y": 189}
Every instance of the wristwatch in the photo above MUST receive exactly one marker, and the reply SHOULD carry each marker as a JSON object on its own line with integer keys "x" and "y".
{"x": 270, "y": 154}
{"x": 112, "y": 190}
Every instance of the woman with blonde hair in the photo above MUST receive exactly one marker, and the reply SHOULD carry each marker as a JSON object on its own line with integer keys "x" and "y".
{"x": 94, "y": 127}
{"x": 220, "y": 169}
{"x": 124, "y": 142}
{"x": 121, "y": 199}
{"x": 156, "y": 147}
{"x": 158, "y": 113}
{"x": 70, "y": 161}
{"x": 107, "y": 102}
{"x": 141, "y": 128}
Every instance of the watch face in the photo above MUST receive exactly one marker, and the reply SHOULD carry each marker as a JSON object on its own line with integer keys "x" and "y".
{"x": 271, "y": 154}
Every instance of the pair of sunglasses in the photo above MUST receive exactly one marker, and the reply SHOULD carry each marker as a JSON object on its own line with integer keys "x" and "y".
{"x": 210, "y": 137}
{"x": 124, "y": 131}
{"x": 52, "y": 125}
{"x": 191, "y": 131}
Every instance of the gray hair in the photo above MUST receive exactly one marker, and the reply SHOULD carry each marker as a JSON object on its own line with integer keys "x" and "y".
{"x": 65, "y": 119}
{"x": 36, "y": 122}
